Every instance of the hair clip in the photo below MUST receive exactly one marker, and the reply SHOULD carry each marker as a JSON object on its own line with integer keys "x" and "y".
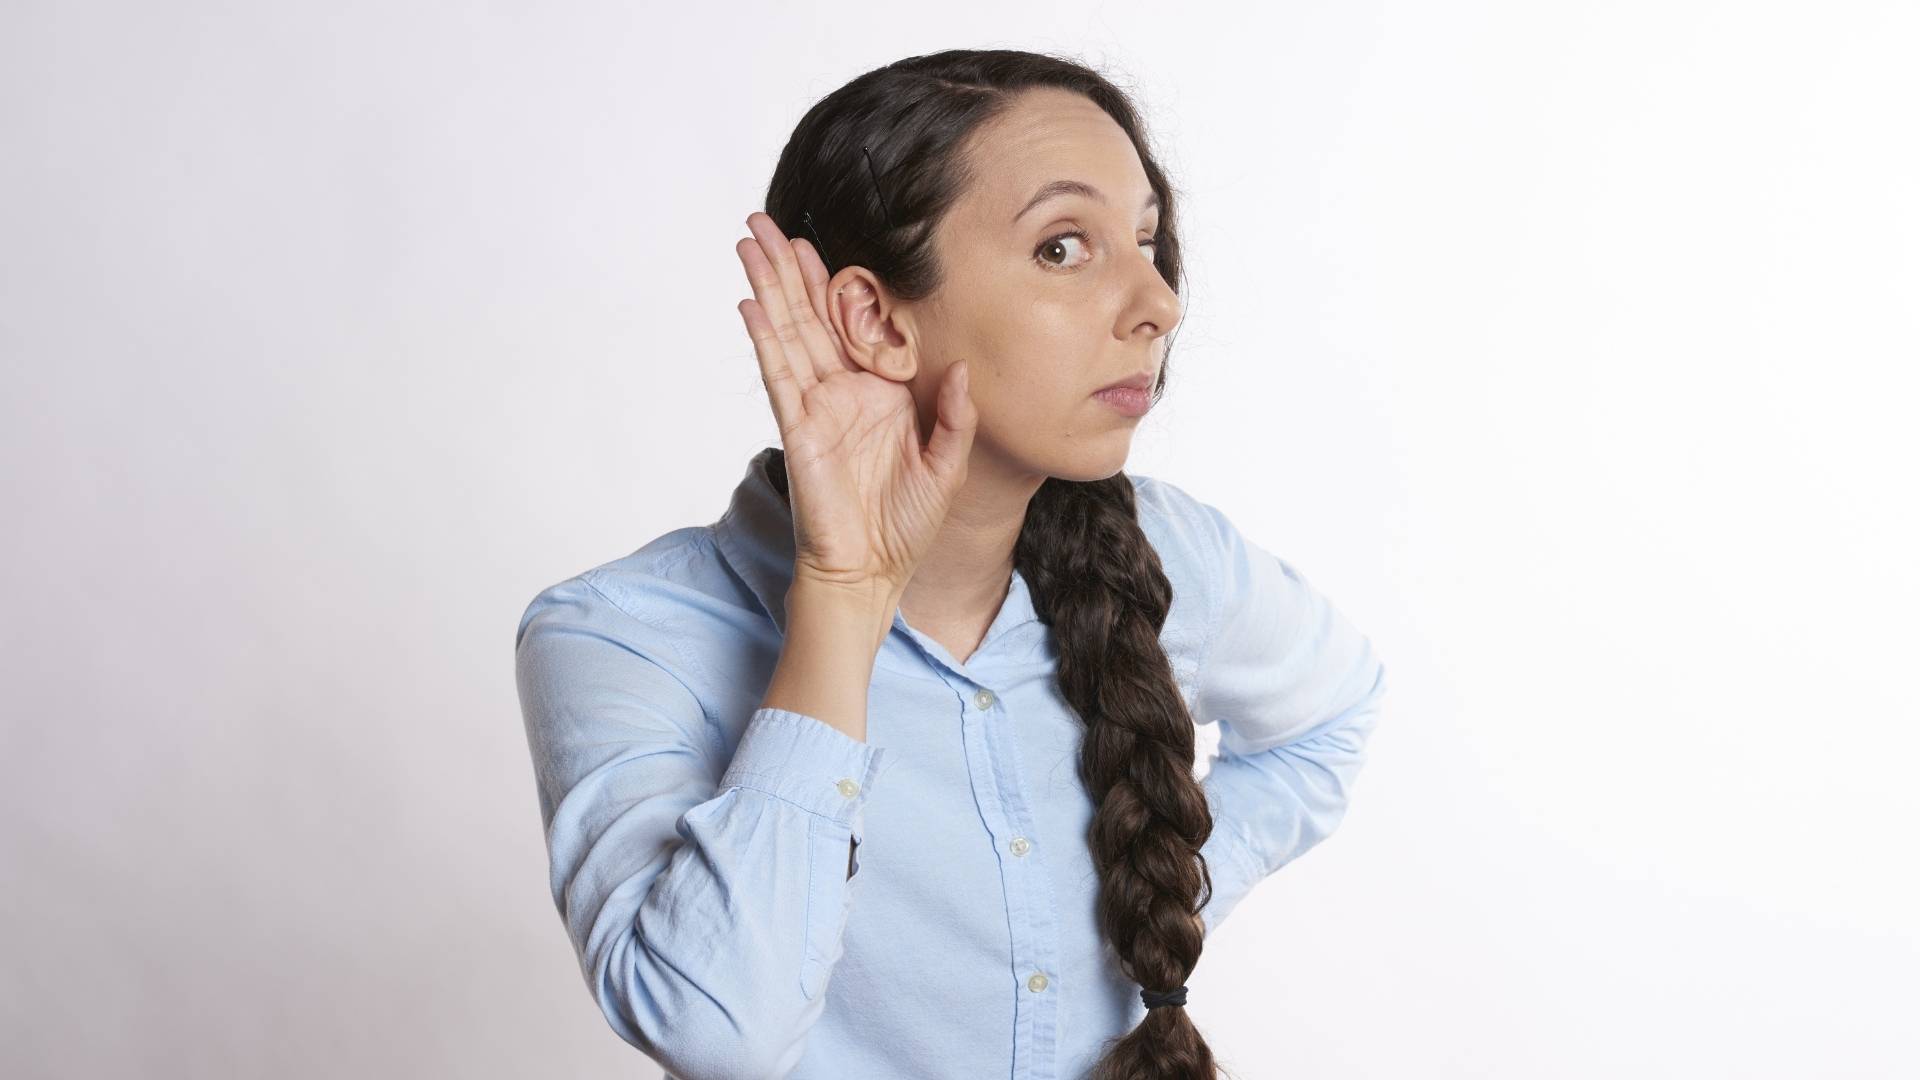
{"x": 876, "y": 188}
{"x": 806, "y": 216}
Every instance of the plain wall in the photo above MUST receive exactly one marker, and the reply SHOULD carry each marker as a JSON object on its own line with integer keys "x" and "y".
{"x": 1570, "y": 348}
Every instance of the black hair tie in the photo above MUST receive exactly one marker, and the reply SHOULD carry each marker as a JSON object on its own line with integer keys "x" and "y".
{"x": 1154, "y": 998}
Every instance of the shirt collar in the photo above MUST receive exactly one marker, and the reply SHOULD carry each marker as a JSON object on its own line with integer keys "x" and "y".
{"x": 755, "y": 536}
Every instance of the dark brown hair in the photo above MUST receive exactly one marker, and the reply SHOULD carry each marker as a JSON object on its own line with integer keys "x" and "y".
{"x": 873, "y": 166}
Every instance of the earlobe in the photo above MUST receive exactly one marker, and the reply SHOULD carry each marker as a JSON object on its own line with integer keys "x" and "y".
{"x": 897, "y": 366}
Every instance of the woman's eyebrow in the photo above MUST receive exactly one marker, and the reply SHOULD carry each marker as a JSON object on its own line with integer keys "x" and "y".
{"x": 1054, "y": 189}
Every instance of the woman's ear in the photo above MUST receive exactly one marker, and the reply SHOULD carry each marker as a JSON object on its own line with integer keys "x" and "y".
{"x": 866, "y": 321}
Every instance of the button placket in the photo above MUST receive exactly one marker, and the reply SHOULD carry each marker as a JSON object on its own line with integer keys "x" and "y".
{"x": 1028, "y": 886}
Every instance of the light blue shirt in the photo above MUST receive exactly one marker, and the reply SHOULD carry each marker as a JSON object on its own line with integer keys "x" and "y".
{"x": 700, "y": 845}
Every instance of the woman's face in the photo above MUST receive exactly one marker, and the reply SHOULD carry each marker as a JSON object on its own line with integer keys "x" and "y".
{"x": 1045, "y": 319}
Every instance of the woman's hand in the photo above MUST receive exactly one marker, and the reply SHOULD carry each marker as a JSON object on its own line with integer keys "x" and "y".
{"x": 867, "y": 497}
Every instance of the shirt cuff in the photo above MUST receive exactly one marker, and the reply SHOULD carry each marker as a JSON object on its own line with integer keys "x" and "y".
{"x": 807, "y": 762}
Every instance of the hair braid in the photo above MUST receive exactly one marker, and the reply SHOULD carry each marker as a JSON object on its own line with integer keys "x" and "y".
{"x": 1098, "y": 584}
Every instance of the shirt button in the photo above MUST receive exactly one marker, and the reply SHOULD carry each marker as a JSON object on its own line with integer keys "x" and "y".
{"x": 1020, "y": 845}
{"x": 1037, "y": 982}
{"x": 984, "y": 699}
{"x": 848, "y": 788}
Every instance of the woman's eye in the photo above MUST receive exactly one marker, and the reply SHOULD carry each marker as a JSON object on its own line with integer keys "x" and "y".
{"x": 1043, "y": 254}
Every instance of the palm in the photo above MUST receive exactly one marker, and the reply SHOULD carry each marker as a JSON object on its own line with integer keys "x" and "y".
{"x": 867, "y": 497}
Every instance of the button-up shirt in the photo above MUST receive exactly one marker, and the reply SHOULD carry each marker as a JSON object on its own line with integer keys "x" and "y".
{"x": 751, "y": 892}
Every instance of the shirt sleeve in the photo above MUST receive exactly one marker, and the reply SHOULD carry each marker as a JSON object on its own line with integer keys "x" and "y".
{"x": 1296, "y": 690}
{"x": 705, "y": 895}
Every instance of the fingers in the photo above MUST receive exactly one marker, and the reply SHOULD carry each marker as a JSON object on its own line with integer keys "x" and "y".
{"x": 783, "y": 389}
{"x": 769, "y": 305}
{"x": 774, "y": 270}
{"x": 814, "y": 270}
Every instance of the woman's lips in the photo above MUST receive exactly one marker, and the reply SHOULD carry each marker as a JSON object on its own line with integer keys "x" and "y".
{"x": 1127, "y": 400}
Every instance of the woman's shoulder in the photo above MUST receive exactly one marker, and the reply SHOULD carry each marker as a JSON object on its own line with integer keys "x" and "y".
{"x": 1158, "y": 497}
{"x": 1201, "y": 528}
{"x": 1180, "y": 524}
{"x": 676, "y": 585}
{"x": 661, "y": 576}
{"x": 1175, "y": 523}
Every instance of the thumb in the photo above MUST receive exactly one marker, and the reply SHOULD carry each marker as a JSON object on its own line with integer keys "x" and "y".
{"x": 954, "y": 426}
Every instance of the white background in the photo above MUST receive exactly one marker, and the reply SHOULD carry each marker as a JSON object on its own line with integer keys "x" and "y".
{"x": 1569, "y": 347}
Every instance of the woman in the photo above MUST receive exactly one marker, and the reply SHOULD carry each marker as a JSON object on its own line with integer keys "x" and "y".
{"x": 889, "y": 772}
